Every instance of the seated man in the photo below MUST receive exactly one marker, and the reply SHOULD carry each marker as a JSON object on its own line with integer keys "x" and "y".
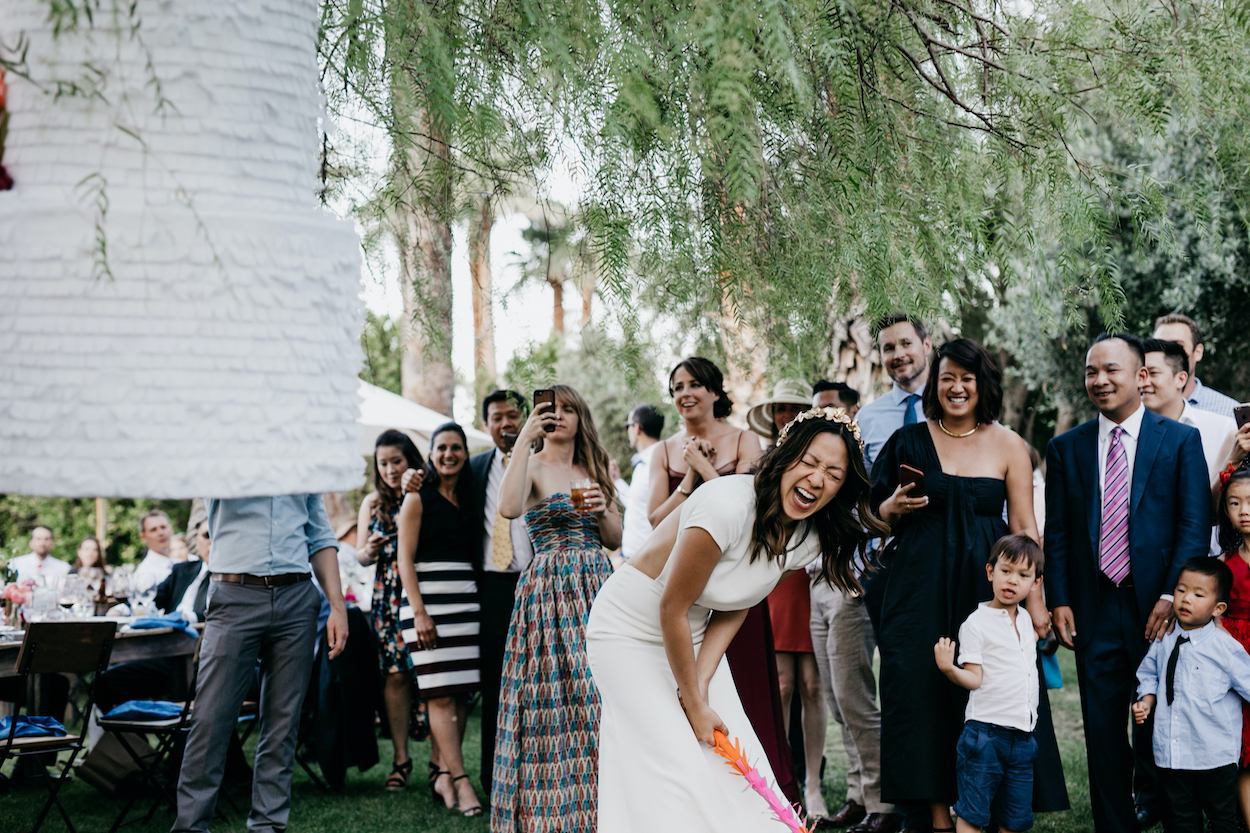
{"x": 183, "y": 591}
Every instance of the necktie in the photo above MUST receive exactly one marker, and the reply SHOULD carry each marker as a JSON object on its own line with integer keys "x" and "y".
{"x": 199, "y": 607}
{"x": 501, "y": 538}
{"x": 910, "y": 417}
{"x": 1173, "y": 658}
{"x": 1113, "y": 557}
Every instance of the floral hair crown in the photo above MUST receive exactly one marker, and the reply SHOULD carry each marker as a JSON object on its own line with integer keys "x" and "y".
{"x": 828, "y": 413}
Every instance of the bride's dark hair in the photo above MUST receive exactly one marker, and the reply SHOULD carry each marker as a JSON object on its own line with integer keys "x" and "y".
{"x": 844, "y": 526}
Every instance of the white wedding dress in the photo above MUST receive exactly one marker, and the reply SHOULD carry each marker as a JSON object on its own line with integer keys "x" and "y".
{"x": 654, "y": 775}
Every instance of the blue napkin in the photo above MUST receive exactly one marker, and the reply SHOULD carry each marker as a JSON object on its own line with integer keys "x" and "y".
{"x": 172, "y": 620}
{"x": 144, "y": 710}
{"x": 32, "y": 726}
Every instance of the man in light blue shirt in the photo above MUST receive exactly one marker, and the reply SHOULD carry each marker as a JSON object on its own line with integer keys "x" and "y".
{"x": 842, "y": 634}
{"x": 1194, "y": 680}
{"x": 905, "y": 348}
{"x": 262, "y": 606}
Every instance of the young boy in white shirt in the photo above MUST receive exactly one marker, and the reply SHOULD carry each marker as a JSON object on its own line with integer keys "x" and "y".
{"x": 998, "y": 665}
{"x": 1194, "y": 680}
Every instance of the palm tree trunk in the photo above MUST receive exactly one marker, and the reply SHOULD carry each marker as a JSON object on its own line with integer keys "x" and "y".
{"x": 484, "y": 370}
{"x": 854, "y": 358}
{"x": 557, "y": 303}
{"x": 588, "y": 296}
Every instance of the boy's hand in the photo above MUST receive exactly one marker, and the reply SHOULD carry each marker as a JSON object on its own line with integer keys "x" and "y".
{"x": 1142, "y": 708}
{"x": 944, "y": 653}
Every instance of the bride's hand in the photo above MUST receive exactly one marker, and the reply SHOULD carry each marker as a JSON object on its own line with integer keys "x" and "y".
{"x": 703, "y": 721}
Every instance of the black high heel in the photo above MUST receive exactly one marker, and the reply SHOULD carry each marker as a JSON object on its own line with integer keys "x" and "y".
{"x": 398, "y": 779}
{"x": 468, "y": 812}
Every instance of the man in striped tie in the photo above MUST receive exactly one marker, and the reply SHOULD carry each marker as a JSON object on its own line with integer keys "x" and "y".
{"x": 1127, "y": 504}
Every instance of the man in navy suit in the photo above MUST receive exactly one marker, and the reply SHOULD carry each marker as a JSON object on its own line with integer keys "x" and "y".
{"x": 505, "y": 552}
{"x": 1127, "y": 503}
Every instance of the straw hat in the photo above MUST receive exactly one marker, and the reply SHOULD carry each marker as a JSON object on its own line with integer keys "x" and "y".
{"x": 785, "y": 392}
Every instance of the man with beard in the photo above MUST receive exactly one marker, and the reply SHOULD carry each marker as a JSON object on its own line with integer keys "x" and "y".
{"x": 841, "y": 631}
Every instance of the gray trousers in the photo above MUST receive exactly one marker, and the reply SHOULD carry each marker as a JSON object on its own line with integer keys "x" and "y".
{"x": 278, "y": 627}
{"x": 844, "y": 643}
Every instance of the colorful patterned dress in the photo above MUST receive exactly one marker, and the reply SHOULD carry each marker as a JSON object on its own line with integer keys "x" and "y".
{"x": 388, "y": 593}
{"x": 546, "y": 763}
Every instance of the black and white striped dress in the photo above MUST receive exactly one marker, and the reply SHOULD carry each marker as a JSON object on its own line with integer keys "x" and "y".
{"x": 445, "y": 578}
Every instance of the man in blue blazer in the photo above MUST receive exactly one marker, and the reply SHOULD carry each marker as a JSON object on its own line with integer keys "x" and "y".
{"x": 1127, "y": 503}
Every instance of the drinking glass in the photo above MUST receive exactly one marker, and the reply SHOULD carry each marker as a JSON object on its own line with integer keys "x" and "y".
{"x": 578, "y": 493}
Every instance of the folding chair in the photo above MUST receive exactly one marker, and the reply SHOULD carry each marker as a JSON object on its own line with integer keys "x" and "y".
{"x": 58, "y": 648}
{"x": 170, "y": 734}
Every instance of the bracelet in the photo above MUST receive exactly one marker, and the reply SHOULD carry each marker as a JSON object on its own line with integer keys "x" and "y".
{"x": 684, "y": 493}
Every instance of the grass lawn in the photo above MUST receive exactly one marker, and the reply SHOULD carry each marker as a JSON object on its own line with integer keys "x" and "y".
{"x": 365, "y": 806}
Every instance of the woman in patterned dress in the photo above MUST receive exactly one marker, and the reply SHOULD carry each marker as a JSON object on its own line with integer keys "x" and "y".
{"x": 546, "y": 763}
{"x": 439, "y": 539}
{"x": 397, "y": 469}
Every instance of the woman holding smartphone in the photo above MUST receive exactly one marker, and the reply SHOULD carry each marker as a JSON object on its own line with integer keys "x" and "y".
{"x": 941, "y": 485}
{"x": 545, "y": 775}
{"x": 397, "y": 470}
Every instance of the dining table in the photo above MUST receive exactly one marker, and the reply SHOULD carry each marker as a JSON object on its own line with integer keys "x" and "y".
{"x": 130, "y": 645}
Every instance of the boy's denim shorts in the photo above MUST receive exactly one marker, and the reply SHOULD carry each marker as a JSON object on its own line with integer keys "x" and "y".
{"x": 995, "y": 776}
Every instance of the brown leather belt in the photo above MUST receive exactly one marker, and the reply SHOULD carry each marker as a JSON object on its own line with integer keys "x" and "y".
{"x": 249, "y": 580}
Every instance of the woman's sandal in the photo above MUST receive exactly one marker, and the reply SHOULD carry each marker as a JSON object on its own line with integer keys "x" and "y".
{"x": 398, "y": 779}
{"x": 435, "y": 774}
{"x": 468, "y": 812}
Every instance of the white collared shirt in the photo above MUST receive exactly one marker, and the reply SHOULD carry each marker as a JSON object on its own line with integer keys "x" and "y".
{"x": 186, "y": 606}
{"x": 1128, "y": 438}
{"x": 635, "y": 526}
{"x": 1007, "y": 655}
{"x": 151, "y": 571}
{"x": 1214, "y": 429}
{"x": 30, "y": 566}
{"x": 522, "y": 549}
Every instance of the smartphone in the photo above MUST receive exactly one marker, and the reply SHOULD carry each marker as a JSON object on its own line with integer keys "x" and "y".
{"x": 545, "y": 395}
{"x": 910, "y": 474}
{"x": 1241, "y": 413}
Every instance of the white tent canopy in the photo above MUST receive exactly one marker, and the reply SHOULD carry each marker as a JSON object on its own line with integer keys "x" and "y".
{"x": 380, "y": 409}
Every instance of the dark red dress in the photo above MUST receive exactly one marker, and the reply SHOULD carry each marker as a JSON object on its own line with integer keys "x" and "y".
{"x": 1237, "y": 622}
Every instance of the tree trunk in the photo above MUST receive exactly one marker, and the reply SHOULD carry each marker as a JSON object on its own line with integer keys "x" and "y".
{"x": 746, "y": 359}
{"x": 588, "y": 296}
{"x": 557, "y": 304}
{"x": 420, "y": 221}
{"x": 484, "y": 370}
{"x": 854, "y": 357}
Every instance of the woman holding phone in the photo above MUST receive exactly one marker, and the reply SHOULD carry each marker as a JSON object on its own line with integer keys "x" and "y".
{"x": 941, "y": 485}
{"x": 397, "y": 470}
{"x": 547, "y": 753}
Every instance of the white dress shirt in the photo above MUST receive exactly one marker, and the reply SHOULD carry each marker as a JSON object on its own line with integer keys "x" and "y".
{"x": 151, "y": 571}
{"x": 1007, "y": 654}
{"x": 186, "y": 605}
{"x": 30, "y": 566}
{"x": 636, "y": 527}
{"x": 1128, "y": 438}
{"x": 1214, "y": 429}
{"x": 522, "y": 549}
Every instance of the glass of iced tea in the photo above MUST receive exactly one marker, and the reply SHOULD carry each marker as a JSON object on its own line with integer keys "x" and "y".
{"x": 579, "y": 493}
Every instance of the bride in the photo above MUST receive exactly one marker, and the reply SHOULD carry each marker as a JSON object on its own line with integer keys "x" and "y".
{"x": 659, "y": 628}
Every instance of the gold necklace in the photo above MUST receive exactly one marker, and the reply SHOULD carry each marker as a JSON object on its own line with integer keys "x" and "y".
{"x": 950, "y": 433}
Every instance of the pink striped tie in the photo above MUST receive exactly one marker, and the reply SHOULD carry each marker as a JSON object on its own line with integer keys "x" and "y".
{"x": 1113, "y": 541}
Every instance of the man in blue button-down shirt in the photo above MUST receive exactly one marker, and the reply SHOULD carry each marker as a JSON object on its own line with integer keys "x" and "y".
{"x": 262, "y": 606}
{"x": 1194, "y": 680}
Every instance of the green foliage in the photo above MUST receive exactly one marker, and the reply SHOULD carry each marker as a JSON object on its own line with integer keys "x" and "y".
{"x": 789, "y": 158}
{"x": 380, "y": 341}
{"x": 71, "y": 520}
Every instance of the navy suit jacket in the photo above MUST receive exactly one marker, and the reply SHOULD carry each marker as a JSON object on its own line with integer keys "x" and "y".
{"x": 1169, "y": 513}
